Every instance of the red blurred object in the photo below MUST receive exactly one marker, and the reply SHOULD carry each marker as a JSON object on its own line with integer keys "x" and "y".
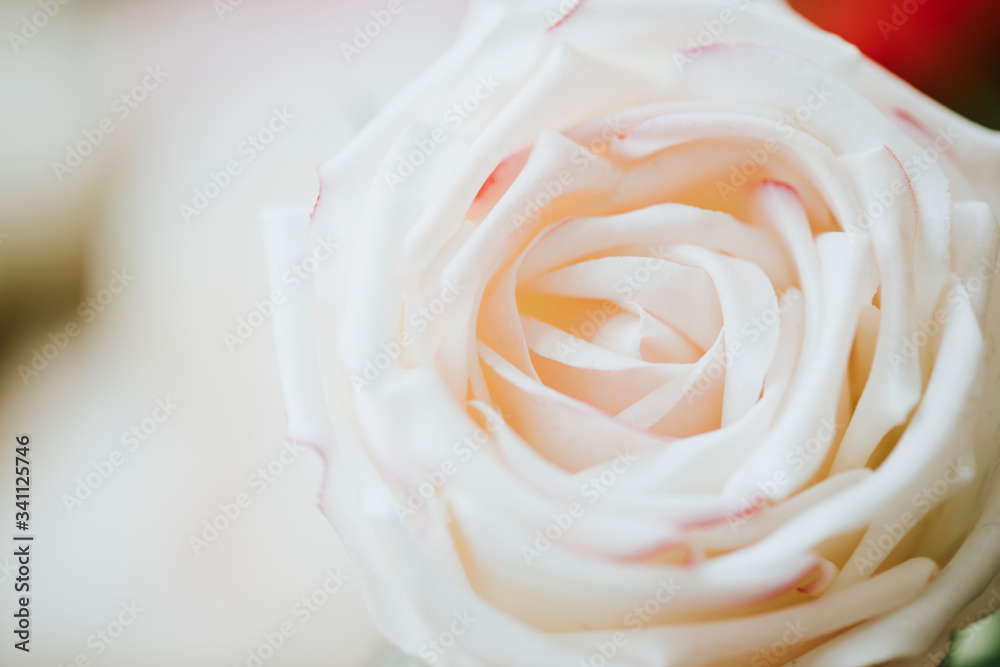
{"x": 950, "y": 49}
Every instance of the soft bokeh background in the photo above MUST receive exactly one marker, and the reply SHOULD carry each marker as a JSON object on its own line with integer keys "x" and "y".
{"x": 949, "y": 49}
{"x": 162, "y": 336}
{"x": 229, "y": 63}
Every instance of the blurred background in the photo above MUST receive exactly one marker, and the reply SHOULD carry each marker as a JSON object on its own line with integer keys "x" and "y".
{"x": 167, "y": 94}
{"x": 949, "y": 49}
{"x": 117, "y": 117}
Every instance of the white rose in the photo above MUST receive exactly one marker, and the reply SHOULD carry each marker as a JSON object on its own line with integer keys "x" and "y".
{"x": 665, "y": 339}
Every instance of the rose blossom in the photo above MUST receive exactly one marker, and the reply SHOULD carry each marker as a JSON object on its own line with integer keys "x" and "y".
{"x": 664, "y": 338}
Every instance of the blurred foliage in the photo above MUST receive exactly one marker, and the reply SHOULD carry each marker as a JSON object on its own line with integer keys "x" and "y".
{"x": 977, "y": 645}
